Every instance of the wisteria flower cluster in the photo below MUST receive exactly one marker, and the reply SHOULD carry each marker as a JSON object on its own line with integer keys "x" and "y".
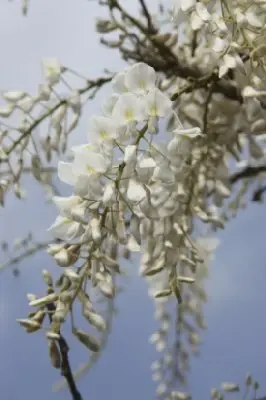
{"x": 140, "y": 202}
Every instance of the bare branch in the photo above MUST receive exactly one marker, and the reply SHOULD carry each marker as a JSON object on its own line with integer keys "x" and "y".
{"x": 248, "y": 172}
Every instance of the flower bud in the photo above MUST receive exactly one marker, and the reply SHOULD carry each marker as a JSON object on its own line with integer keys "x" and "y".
{"x": 54, "y": 354}
{"x": 63, "y": 258}
{"x": 43, "y": 301}
{"x": 94, "y": 319}
{"x": 52, "y": 335}
{"x": 72, "y": 275}
{"x": 13, "y": 96}
{"x": 87, "y": 339}
{"x": 29, "y": 325}
{"x": 54, "y": 248}
{"x": 60, "y": 313}
{"x": 47, "y": 277}
{"x": 105, "y": 26}
{"x": 230, "y": 387}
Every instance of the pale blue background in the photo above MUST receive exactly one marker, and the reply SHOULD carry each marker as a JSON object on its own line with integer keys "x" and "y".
{"x": 235, "y": 340}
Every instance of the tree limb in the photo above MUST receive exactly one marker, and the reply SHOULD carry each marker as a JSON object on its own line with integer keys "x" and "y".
{"x": 248, "y": 172}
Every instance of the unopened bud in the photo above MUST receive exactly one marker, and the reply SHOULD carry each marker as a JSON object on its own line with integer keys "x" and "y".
{"x": 29, "y": 325}
{"x": 54, "y": 354}
{"x": 60, "y": 313}
{"x": 87, "y": 339}
{"x": 43, "y": 301}
{"x": 72, "y": 275}
{"x": 95, "y": 320}
{"x": 107, "y": 288}
{"x": 63, "y": 258}
{"x": 105, "y": 26}
{"x": 47, "y": 277}
{"x": 162, "y": 293}
{"x": 52, "y": 335}
{"x": 230, "y": 387}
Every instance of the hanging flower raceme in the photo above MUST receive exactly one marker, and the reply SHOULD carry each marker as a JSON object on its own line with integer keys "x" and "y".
{"x": 129, "y": 192}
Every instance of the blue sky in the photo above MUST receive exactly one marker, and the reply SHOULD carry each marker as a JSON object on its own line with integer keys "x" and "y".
{"x": 235, "y": 340}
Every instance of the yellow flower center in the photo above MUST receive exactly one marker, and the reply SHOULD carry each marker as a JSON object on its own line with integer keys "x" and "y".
{"x": 104, "y": 134}
{"x": 142, "y": 84}
{"x": 153, "y": 110}
{"x": 90, "y": 169}
{"x": 67, "y": 221}
{"x": 129, "y": 115}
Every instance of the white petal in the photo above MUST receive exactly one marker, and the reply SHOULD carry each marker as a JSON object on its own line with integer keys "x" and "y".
{"x": 79, "y": 212}
{"x": 51, "y": 69}
{"x": 147, "y": 163}
{"x": 187, "y": 5}
{"x": 13, "y": 96}
{"x": 27, "y": 103}
{"x": 65, "y": 172}
{"x": 109, "y": 193}
{"x": 189, "y": 133}
{"x": 65, "y": 229}
{"x": 64, "y": 204}
{"x": 140, "y": 78}
{"x": 196, "y": 21}
{"x": 89, "y": 162}
{"x": 101, "y": 128}
{"x": 130, "y": 154}
{"x": 129, "y": 108}
{"x": 135, "y": 191}
{"x": 202, "y": 12}
{"x": 118, "y": 82}
{"x": 159, "y": 104}
{"x": 249, "y": 91}
{"x": 132, "y": 244}
{"x": 108, "y": 104}
{"x": 5, "y": 112}
{"x": 219, "y": 44}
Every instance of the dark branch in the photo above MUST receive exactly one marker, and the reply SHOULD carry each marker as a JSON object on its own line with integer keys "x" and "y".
{"x": 258, "y": 194}
{"x": 248, "y": 172}
{"x": 151, "y": 28}
{"x": 65, "y": 365}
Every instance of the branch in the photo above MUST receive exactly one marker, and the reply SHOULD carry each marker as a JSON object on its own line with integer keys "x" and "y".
{"x": 98, "y": 83}
{"x": 65, "y": 365}
{"x": 27, "y": 253}
{"x": 151, "y": 27}
{"x": 257, "y": 195}
{"x": 96, "y": 356}
{"x": 173, "y": 66}
{"x": 248, "y": 172}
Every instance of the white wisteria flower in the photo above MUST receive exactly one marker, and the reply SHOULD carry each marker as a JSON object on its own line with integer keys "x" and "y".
{"x": 102, "y": 128}
{"x": 64, "y": 204}
{"x": 140, "y": 78}
{"x": 129, "y": 108}
{"x": 85, "y": 171}
{"x": 66, "y": 229}
{"x": 52, "y": 70}
{"x": 158, "y": 103}
{"x": 89, "y": 162}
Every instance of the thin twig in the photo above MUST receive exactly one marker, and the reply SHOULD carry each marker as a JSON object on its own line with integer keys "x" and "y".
{"x": 27, "y": 253}
{"x": 150, "y": 25}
